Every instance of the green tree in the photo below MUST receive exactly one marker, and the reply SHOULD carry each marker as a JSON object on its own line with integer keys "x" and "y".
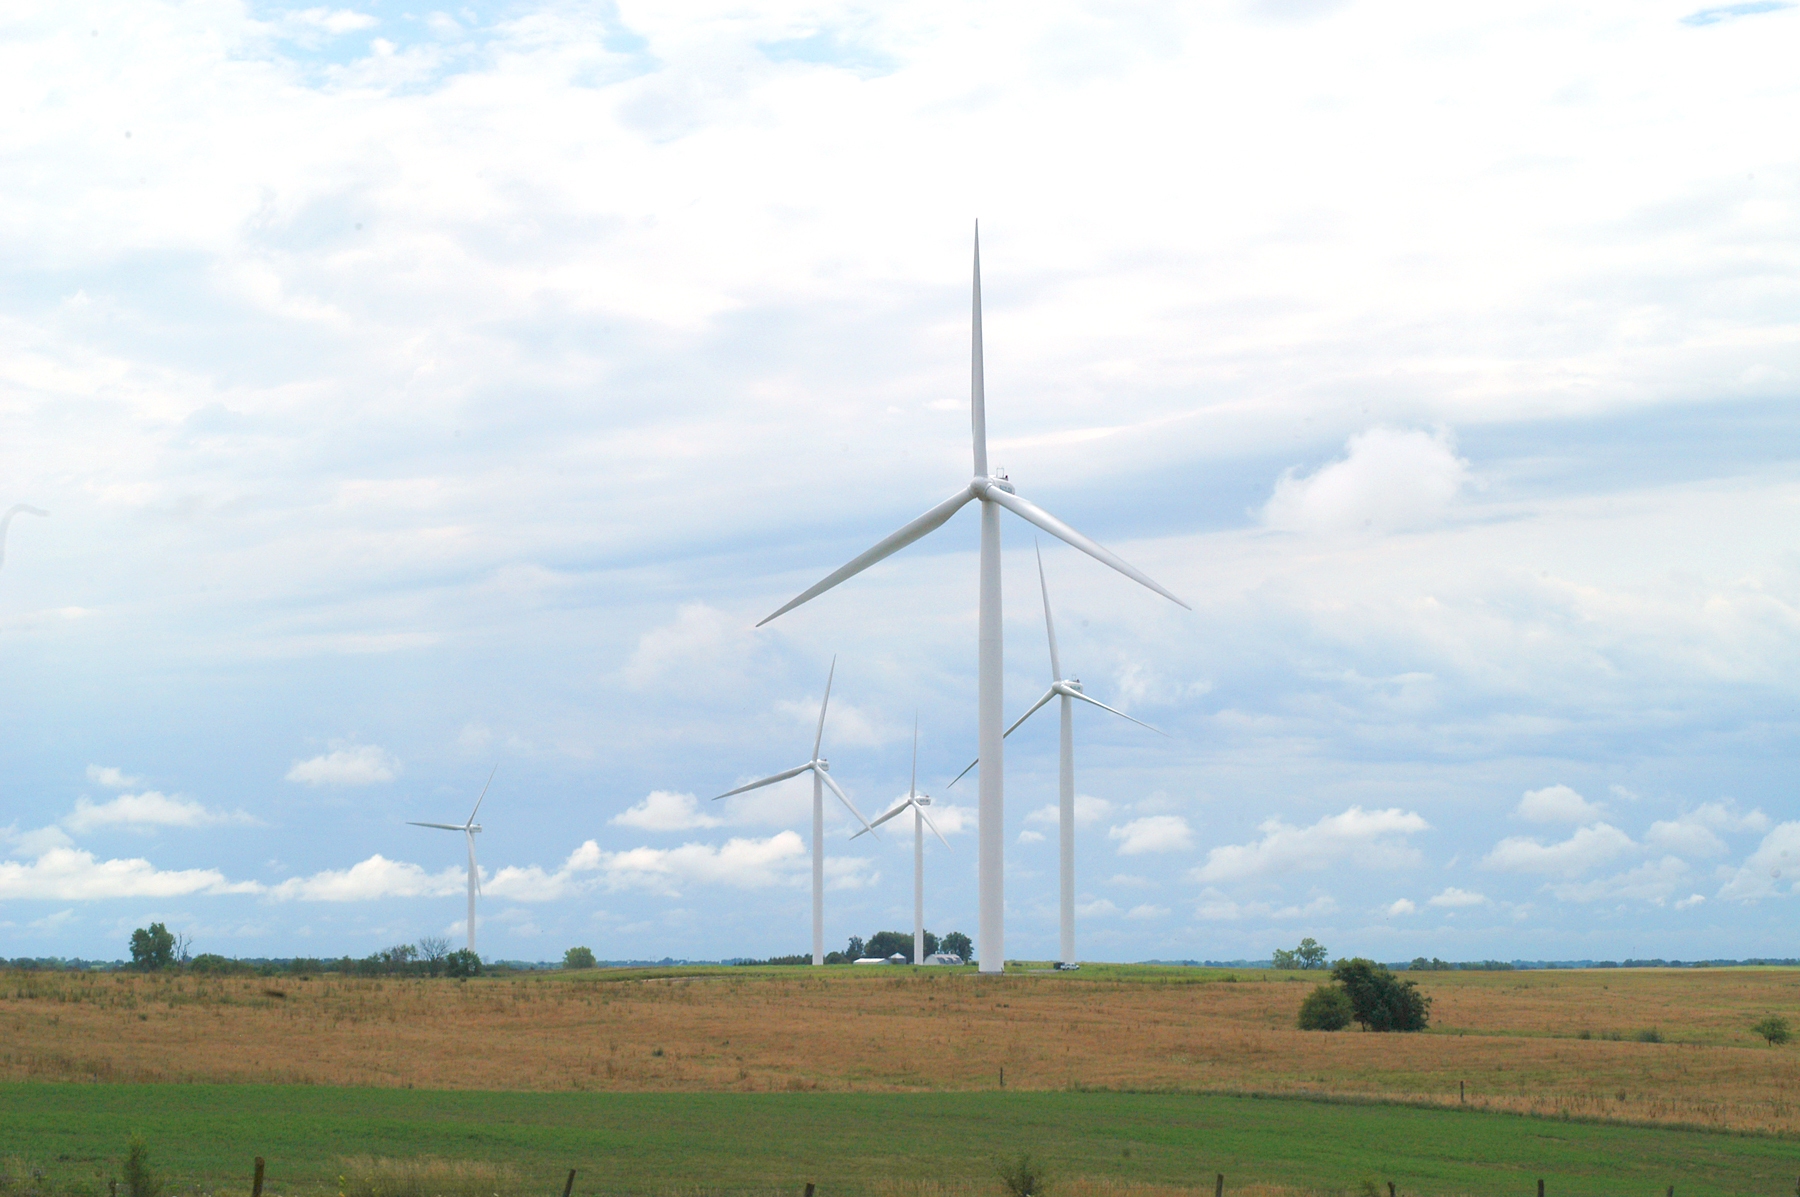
{"x": 462, "y": 963}
{"x": 957, "y": 944}
{"x": 433, "y": 950}
{"x": 1379, "y": 1000}
{"x": 1326, "y": 1008}
{"x": 1311, "y": 953}
{"x": 579, "y": 958}
{"x": 1284, "y": 958}
{"x": 152, "y": 948}
{"x": 1774, "y": 1028}
{"x": 855, "y": 949}
{"x": 139, "y": 1180}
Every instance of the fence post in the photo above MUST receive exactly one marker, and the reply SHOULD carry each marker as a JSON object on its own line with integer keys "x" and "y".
{"x": 1390, "y": 1188}
{"x": 1540, "y": 1188}
{"x": 1462, "y": 1091}
{"x": 569, "y": 1184}
{"x": 809, "y": 1188}
{"x": 1219, "y": 1188}
{"x": 256, "y": 1181}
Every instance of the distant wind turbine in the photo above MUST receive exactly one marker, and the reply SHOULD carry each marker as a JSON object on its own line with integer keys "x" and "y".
{"x": 821, "y": 771}
{"x": 921, "y": 820}
{"x": 994, "y": 491}
{"x": 1069, "y": 690}
{"x": 469, "y": 830}
{"x": 6, "y": 522}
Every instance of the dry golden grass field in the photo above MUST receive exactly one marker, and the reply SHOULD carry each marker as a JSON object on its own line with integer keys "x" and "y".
{"x": 1539, "y": 1042}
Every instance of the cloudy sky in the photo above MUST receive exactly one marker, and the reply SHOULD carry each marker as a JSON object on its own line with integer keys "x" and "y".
{"x": 418, "y": 392}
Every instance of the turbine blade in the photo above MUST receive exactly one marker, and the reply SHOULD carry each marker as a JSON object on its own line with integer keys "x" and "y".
{"x": 1049, "y": 624}
{"x": 1035, "y": 708}
{"x": 912, "y": 787}
{"x": 439, "y": 826}
{"x": 964, "y": 773}
{"x": 1055, "y": 527}
{"x": 474, "y": 870}
{"x": 929, "y": 522}
{"x": 845, "y": 799}
{"x": 934, "y": 830}
{"x": 977, "y": 370}
{"x": 1121, "y": 714}
{"x": 880, "y": 819}
{"x": 484, "y": 790}
{"x": 819, "y": 738}
{"x": 796, "y": 771}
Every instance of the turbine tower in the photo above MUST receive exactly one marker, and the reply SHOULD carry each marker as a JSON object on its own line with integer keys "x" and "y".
{"x": 1069, "y": 690}
{"x": 821, "y": 771}
{"x": 921, "y": 820}
{"x": 994, "y": 491}
{"x": 469, "y": 828}
{"x": 6, "y": 522}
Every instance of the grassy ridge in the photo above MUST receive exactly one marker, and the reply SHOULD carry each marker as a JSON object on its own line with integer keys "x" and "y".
{"x": 849, "y": 1142}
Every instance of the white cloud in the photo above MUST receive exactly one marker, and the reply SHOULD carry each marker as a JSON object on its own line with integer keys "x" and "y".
{"x": 1088, "y": 811}
{"x": 664, "y": 810}
{"x": 700, "y": 639}
{"x": 1031, "y": 837}
{"x": 1147, "y": 911}
{"x": 330, "y": 20}
{"x": 845, "y": 723}
{"x": 1401, "y": 906}
{"x": 35, "y": 842}
{"x": 1373, "y": 837}
{"x": 1453, "y": 898}
{"x": 367, "y": 880}
{"x": 1217, "y": 908}
{"x": 1557, "y": 804}
{"x": 1153, "y": 833}
{"x": 740, "y": 863}
{"x": 1694, "y": 833}
{"x": 69, "y": 874}
{"x": 1388, "y": 479}
{"x": 1691, "y": 901}
{"x": 362, "y": 766}
{"x": 111, "y": 778}
{"x": 1587, "y": 848}
{"x": 1654, "y": 881}
{"x": 149, "y": 809}
{"x": 1099, "y": 908}
{"x": 951, "y": 819}
{"x": 1773, "y": 870}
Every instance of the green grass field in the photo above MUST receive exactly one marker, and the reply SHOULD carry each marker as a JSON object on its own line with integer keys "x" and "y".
{"x": 204, "y": 1137}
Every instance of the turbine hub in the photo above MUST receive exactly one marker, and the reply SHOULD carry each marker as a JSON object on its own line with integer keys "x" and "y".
{"x": 923, "y": 800}
{"x": 997, "y": 481}
{"x": 1074, "y": 684}
{"x": 823, "y": 765}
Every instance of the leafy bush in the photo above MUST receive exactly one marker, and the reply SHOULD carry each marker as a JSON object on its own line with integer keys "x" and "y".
{"x": 1775, "y": 1029}
{"x": 426, "y": 1176}
{"x": 1379, "y": 1000}
{"x": 139, "y": 1180}
{"x": 1326, "y": 1008}
{"x": 1024, "y": 1177}
{"x": 579, "y": 958}
{"x": 462, "y": 963}
{"x": 1649, "y": 1035}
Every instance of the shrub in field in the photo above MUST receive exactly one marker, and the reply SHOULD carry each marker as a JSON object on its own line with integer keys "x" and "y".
{"x": 1326, "y": 1008}
{"x": 579, "y": 958}
{"x": 1379, "y": 1000}
{"x": 1023, "y": 1177}
{"x": 1649, "y": 1035}
{"x": 426, "y": 1176}
{"x": 139, "y": 1180}
{"x": 1774, "y": 1028}
{"x": 462, "y": 963}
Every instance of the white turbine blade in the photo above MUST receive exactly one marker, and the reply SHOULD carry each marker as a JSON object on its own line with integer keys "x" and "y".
{"x": 977, "y": 370}
{"x": 880, "y": 819}
{"x": 929, "y": 522}
{"x": 1049, "y": 624}
{"x": 933, "y": 826}
{"x": 912, "y": 787}
{"x": 474, "y": 870}
{"x": 819, "y": 737}
{"x": 1035, "y": 708}
{"x": 845, "y": 799}
{"x": 439, "y": 826}
{"x": 796, "y": 771}
{"x": 1055, "y": 527}
{"x": 484, "y": 790}
{"x": 1121, "y": 714}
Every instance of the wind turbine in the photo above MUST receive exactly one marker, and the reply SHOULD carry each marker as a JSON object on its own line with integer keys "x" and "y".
{"x": 6, "y": 522}
{"x": 994, "y": 491}
{"x": 1069, "y": 690}
{"x": 921, "y": 820}
{"x": 821, "y": 771}
{"x": 469, "y": 830}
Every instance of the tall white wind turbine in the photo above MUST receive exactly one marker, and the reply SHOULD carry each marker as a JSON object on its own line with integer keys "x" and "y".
{"x": 6, "y": 522}
{"x": 821, "y": 771}
{"x": 918, "y": 802}
{"x": 469, "y": 828}
{"x": 994, "y": 491}
{"x": 1069, "y": 690}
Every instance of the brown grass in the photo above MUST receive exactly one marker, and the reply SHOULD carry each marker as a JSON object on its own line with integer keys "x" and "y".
{"x": 1514, "y": 1038}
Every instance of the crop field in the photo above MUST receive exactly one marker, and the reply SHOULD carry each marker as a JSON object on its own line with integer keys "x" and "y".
{"x": 1559, "y": 1044}
{"x": 1093, "y": 1144}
